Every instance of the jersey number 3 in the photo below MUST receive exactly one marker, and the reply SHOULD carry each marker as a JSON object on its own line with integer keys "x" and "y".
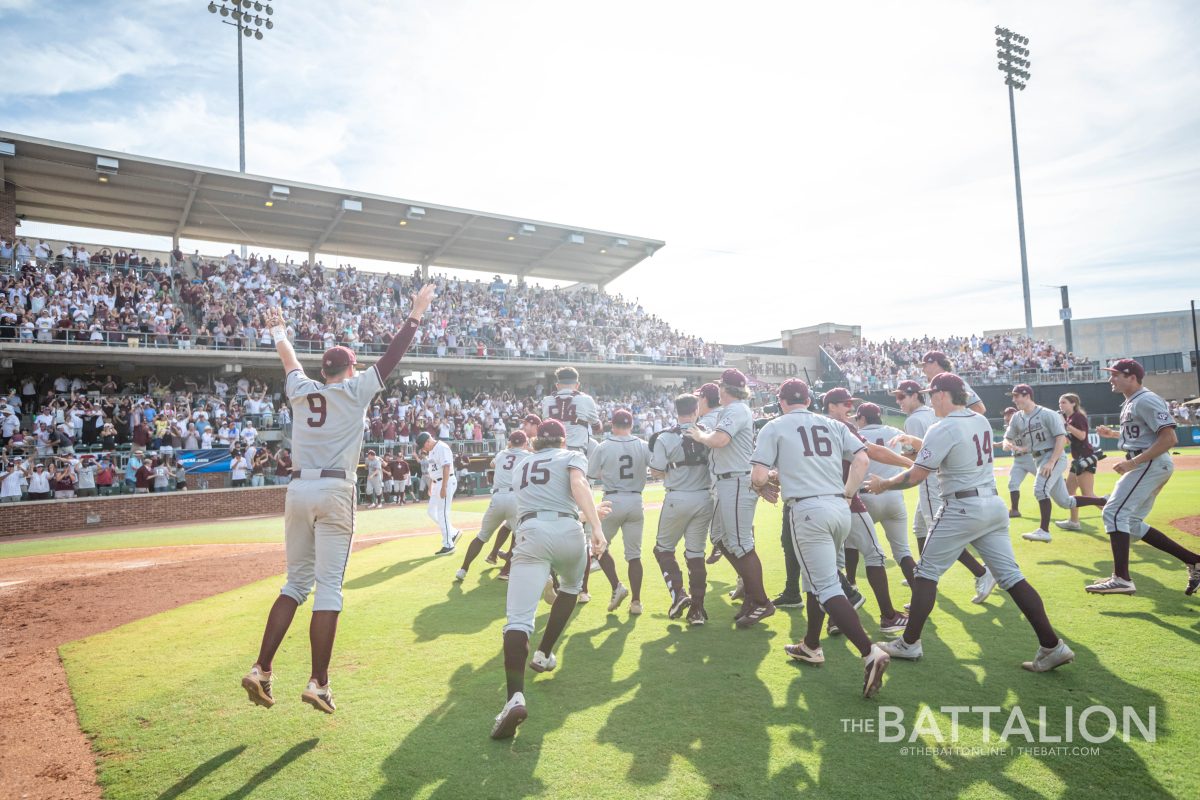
{"x": 318, "y": 409}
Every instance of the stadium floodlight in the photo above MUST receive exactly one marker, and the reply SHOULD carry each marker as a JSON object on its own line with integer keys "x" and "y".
{"x": 248, "y": 26}
{"x": 1013, "y": 60}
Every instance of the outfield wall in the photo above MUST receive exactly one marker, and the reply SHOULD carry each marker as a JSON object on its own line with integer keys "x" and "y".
{"x": 139, "y": 510}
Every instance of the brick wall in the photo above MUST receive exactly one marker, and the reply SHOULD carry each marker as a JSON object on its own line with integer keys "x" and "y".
{"x": 8, "y": 210}
{"x": 56, "y": 516}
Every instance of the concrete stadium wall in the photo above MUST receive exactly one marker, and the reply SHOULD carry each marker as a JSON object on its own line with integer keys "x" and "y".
{"x": 136, "y": 511}
{"x": 1173, "y": 385}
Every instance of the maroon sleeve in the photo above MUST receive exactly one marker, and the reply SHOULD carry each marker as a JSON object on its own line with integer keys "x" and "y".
{"x": 396, "y": 349}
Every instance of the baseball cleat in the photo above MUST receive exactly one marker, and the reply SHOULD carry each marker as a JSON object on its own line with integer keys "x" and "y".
{"x": 904, "y": 581}
{"x": 618, "y": 596}
{"x": 542, "y": 662}
{"x": 851, "y": 591}
{"x": 584, "y": 597}
{"x": 258, "y": 687}
{"x": 635, "y": 607}
{"x": 984, "y": 585}
{"x": 1040, "y": 535}
{"x": 898, "y": 648}
{"x": 755, "y": 615}
{"x": 831, "y": 628}
{"x": 444, "y": 551}
{"x": 875, "y": 663}
{"x": 739, "y": 591}
{"x": 1193, "y": 579}
{"x": 320, "y": 698}
{"x": 1014, "y": 513}
{"x": 512, "y": 715}
{"x": 786, "y": 600}
{"x": 503, "y": 576}
{"x": 894, "y": 625}
{"x": 490, "y": 560}
{"x": 454, "y": 539}
{"x": 1048, "y": 658}
{"x": 714, "y": 556}
{"x": 679, "y": 603}
{"x": 549, "y": 593}
{"x": 697, "y": 616}
{"x": 594, "y": 565}
{"x": 460, "y": 576}
{"x": 1068, "y": 524}
{"x": 1113, "y": 585}
{"x": 802, "y": 652}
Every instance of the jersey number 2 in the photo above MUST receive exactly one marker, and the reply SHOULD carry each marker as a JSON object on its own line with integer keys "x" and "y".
{"x": 626, "y": 467}
{"x": 318, "y": 409}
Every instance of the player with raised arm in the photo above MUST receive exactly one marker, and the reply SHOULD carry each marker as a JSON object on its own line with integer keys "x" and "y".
{"x": 1147, "y": 435}
{"x": 552, "y": 495}
{"x": 619, "y": 464}
{"x": 686, "y": 513}
{"x": 805, "y": 453}
{"x": 503, "y": 506}
{"x": 318, "y": 517}
{"x": 959, "y": 449}
{"x": 1046, "y": 433}
{"x": 1022, "y": 463}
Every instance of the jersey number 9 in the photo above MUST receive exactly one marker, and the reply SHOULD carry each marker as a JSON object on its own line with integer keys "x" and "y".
{"x": 318, "y": 408}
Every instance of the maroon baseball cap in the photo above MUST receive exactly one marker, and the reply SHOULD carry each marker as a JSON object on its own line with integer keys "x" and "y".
{"x": 517, "y": 438}
{"x": 934, "y": 357}
{"x": 710, "y": 392}
{"x": 621, "y": 418}
{"x": 733, "y": 377}
{"x": 1128, "y": 366}
{"x": 945, "y": 382}
{"x": 869, "y": 411}
{"x": 1009, "y": 410}
{"x": 532, "y": 419}
{"x": 837, "y": 395}
{"x": 1022, "y": 388}
{"x": 552, "y": 429}
{"x": 794, "y": 391}
{"x": 337, "y": 358}
{"x": 907, "y": 387}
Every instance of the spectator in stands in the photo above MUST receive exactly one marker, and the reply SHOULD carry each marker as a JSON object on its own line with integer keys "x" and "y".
{"x": 14, "y": 477}
{"x": 39, "y": 483}
{"x": 132, "y": 465}
{"x": 283, "y": 466}
{"x": 143, "y": 478}
{"x": 239, "y": 470}
{"x": 85, "y": 473}
{"x": 105, "y": 478}
{"x": 63, "y": 480}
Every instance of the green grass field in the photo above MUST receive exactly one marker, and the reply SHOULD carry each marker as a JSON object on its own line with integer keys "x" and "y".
{"x": 639, "y": 707}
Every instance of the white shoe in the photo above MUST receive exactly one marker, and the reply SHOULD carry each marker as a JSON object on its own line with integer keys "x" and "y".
{"x": 542, "y": 662}
{"x": 512, "y": 715}
{"x": 898, "y": 648}
{"x": 618, "y": 596}
{"x": 874, "y": 665}
{"x": 739, "y": 590}
{"x": 635, "y": 607}
{"x": 594, "y": 566}
{"x": 1068, "y": 524}
{"x": 460, "y": 575}
{"x": 802, "y": 652}
{"x": 1048, "y": 658}
{"x": 1039, "y": 535}
{"x": 258, "y": 687}
{"x": 904, "y": 582}
{"x": 319, "y": 698}
{"x": 984, "y": 585}
{"x": 584, "y": 597}
{"x": 549, "y": 593}
{"x": 1113, "y": 585}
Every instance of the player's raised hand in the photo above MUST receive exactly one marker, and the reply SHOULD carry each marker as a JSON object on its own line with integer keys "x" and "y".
{"x": 274, "y": 317}
{"x": 421, "y": 301}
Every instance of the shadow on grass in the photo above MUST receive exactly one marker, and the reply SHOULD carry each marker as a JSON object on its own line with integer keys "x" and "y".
{"x": 387, "y": 573}
{"x": 270, "y": 770}
{"x": 201, "y": 772}
{"x": 462, "y": 612}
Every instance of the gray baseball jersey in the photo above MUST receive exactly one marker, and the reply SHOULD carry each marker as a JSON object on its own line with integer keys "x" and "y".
{"x": 736, "y": 421}
{"x": 685, "y": 462}
{"x": 1017, "y": 432}
{"x": 576, "y": 411}
{"x": 619, "y": 463}
{"x": 374, "y": 468}
{"x": 505, "y": 466}
{"x": 1041, "y": 426}
{"x": 959, "y": 449}
{"x": 327, "y": 427}
{"x": 1142, "y": 416}
{"x": 972, "y": 395}
{"x": 918, "y": 424}
{"x": 881, "y": 435}
{"x": 543, "y": 481}
{"x": 808, "y": 450}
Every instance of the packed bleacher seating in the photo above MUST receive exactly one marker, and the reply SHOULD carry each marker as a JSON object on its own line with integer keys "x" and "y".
{"x": 1002, "y": 358}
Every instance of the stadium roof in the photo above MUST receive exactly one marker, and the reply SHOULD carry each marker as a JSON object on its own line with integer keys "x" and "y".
{"x": 70, "y": 184}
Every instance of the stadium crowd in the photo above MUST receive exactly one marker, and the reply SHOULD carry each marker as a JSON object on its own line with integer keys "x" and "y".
{"x": 877, "y": 366}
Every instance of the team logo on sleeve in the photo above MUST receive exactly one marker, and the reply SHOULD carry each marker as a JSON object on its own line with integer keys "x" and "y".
{"x": 925, "y": 454}
{"x": 1163, "y": 416}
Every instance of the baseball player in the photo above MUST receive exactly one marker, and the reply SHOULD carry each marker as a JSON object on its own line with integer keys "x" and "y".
{"x": 959, "y": 448}
{"x": 391, "y": 478}
{"x": 935, "y": 362}
{"x": 552, "y": 494}
{"x": 1046, "y": 434}
{"x": 576, "y": 410}
{"x": 529, "y": 426}
{"x": 442, "y": 485}
{"x": 374, "y": 479}
{"x": 503, "y": 505}
{"x": 1022, "y": 464}
{"x": 862, "y": 539}
{"x": 687, "y": 510}
{"x": 619, "y": 464}
{"x": 730, "y": 445}
{"x": 327, "y": 437}
{"x": 805, "y": 452}
{"x": 887, "y": 510}
{"x": 918, "y": 422}
{"x": 1147, "y": 435}
{"x": 707, "y": 413}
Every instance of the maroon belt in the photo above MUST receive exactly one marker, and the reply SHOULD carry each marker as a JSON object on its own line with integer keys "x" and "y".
{"x": 325, "y": 473}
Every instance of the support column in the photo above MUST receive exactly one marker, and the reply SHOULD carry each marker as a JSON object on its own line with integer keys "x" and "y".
{"x": 312, "y": 257}
{"x": 8, "y": 210}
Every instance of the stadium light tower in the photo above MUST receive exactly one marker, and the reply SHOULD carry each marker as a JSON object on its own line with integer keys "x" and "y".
{"x": 250, "y": 18}
{"x": 1013, "y": 57}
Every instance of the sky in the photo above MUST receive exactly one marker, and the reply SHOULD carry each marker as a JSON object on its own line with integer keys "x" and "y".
{"x": 805, "y": 162}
